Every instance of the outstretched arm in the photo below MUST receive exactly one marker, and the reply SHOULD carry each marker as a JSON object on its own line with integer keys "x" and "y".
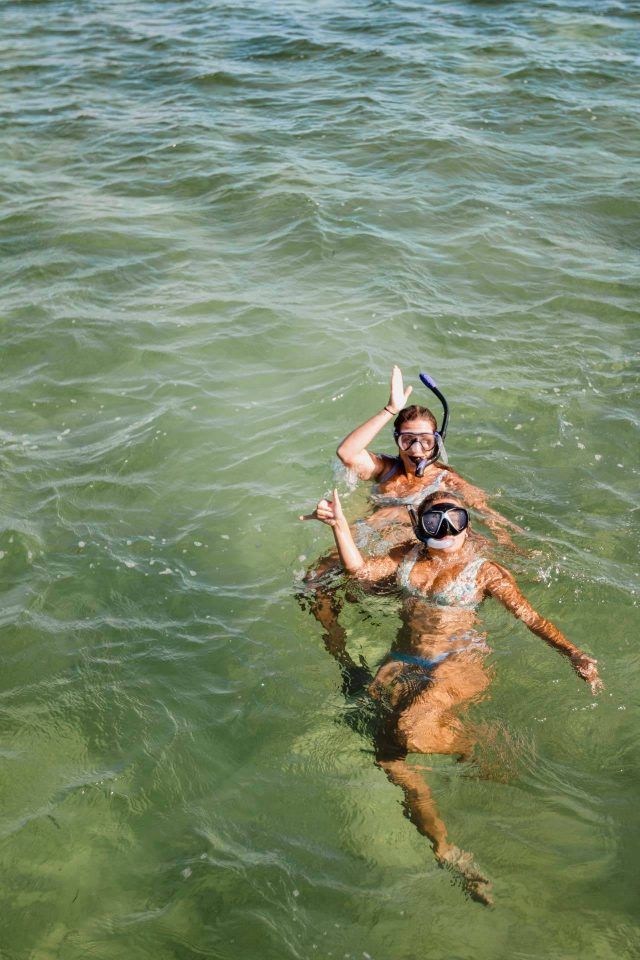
{"x": 477, "y": 499}
{"x": 353, "y": 449}
{"x": 375, "y": 568}
{"x": 499, "y": 583}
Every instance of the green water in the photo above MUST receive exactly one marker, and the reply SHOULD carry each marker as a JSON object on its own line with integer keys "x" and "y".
{"x": 221, "y": 224}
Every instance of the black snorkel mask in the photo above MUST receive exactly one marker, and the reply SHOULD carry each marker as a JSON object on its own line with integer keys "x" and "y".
{"x": 439, "y": 452}
{"x": 445, "y": 519}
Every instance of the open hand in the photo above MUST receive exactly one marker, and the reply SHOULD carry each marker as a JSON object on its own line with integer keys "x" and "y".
{"x": 327, "y": 511}
{"x": 398, "y": 396}
{"x": 586, "y": 668}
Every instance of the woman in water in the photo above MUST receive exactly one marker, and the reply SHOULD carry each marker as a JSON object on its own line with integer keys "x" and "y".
{"x": 416, "y": 472}
{"x": 400, "y": 482}
{"x": 437, "y": 663}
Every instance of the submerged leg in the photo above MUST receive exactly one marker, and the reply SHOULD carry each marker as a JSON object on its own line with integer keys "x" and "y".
{"x": 419, "y": 804}
{"x": 425, "y": 719}
{"x": 421, "y": 809}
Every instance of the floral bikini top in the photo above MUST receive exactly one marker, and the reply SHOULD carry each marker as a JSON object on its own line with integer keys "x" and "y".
{"x": 413, "y": 499}
{"x": 461, "y": 592}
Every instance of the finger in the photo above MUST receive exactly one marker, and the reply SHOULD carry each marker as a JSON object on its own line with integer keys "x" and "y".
{"x": 308, "y": 516}
{"x": 408, "y": 393}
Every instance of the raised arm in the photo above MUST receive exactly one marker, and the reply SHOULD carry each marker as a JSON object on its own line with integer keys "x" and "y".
{"x": 353, "y": 449}
{"x": 499, "y": 583}
{"x": 373, "y": 569}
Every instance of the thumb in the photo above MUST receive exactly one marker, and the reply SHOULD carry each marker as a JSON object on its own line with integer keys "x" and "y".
{"x": 337, "y": 506}
{"x": 408, "y": 393}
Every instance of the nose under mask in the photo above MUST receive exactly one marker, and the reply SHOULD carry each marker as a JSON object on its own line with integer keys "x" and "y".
{"x": 446, "y": 530}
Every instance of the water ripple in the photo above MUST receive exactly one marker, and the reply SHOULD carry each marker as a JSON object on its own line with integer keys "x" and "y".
{"x": 222, "y": 223}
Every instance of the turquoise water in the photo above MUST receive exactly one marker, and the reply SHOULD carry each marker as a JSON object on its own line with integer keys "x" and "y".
{"x": 221, "y": 224}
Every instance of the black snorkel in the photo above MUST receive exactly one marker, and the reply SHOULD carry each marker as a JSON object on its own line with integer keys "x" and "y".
{"x": 439, "y": 434}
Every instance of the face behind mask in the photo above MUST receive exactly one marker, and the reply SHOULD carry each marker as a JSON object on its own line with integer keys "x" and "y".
{"x": 439, "y": 521}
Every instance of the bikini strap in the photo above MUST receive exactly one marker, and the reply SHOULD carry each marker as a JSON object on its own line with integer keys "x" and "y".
{"x": 473, "y": 567}
{"x": 393, "y": 469}
{"x": 406, "y": 566}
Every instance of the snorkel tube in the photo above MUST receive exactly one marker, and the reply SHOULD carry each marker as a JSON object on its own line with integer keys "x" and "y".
{"x": 441, "y": 433}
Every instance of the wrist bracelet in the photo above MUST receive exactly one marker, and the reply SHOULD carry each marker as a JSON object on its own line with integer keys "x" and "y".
{"x": 392, "y": 412}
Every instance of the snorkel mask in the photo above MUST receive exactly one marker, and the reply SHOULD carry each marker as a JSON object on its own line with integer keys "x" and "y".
{"x": 438, "y": 452}
{"x": 438, "y": 522}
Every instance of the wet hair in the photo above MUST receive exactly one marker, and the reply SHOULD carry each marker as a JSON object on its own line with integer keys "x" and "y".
{"x": 415, "y": 412}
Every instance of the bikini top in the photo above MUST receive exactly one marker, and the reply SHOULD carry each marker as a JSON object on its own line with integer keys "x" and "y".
{"x": 413, "y": 499}
{"x": 461, "y": 592}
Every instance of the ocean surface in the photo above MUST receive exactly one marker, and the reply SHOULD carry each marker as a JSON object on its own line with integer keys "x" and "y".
{"x": 221, "y": 223}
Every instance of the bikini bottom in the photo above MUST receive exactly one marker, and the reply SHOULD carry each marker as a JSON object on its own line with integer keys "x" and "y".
{"x": 371, "y": 715}
{"x": 419, "y": 671}
{"x": 472, "y": 641}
